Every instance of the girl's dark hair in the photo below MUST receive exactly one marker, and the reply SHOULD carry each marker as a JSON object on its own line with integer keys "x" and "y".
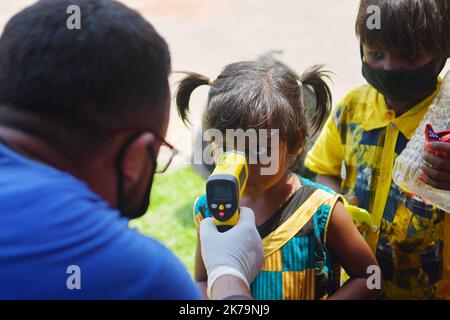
{"x": 261, "y": 94}
{"x": 407, "y": 26}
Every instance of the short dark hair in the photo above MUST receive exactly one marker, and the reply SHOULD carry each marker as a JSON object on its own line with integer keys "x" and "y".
{"x": 407, "y": 26}
{"x": 88, "y": 81}
{"x": 261, "y": 94}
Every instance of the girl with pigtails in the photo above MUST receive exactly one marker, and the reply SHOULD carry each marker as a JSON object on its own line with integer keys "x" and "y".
{"x": 307, "y": 233}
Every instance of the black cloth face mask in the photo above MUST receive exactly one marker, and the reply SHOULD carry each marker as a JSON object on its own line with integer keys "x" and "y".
{"x": 402, "y": 84}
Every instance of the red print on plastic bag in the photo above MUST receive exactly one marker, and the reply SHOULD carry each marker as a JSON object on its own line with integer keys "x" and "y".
{"x": 433, "y": 136}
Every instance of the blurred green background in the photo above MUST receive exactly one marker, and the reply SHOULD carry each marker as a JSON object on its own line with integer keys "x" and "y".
{"x": 169, "y": 218}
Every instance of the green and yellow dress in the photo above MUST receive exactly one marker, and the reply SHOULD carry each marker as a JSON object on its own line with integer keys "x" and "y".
{"x": 297, "y": 264}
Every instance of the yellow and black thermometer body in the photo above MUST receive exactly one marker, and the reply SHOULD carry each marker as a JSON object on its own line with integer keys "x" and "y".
{"x": 225, "y": 187}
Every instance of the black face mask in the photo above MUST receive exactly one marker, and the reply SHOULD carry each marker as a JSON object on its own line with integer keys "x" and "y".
{"x": 145, "y": 202}
{"x": 402, "y": 84}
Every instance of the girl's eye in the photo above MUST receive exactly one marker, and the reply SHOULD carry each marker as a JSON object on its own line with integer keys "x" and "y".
{"x": 377, "y": 55}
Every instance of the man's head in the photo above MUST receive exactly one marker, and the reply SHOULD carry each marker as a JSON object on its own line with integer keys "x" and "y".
{"x": 406, "y": 50}
{"x": 83, "y": 90}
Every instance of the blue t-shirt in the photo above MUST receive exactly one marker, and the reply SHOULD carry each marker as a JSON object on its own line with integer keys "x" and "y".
{"x": 56, "y": 234}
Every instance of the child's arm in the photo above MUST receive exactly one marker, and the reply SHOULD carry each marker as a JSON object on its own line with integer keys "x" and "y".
{"x": 347, "y": 245}
{"x": 200, "y": 274}
{"x": 332, "y": 182}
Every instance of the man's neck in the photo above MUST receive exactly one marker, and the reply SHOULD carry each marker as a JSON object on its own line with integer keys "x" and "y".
{"x": 96, "y": 174}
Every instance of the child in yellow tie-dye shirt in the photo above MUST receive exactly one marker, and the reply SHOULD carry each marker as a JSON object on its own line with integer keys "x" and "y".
{"x": 355, "y": 152}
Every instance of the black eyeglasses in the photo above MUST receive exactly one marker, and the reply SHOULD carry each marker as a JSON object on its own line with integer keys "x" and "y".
{"x": 166, "y": 151}
{"x": 165, "y": 155}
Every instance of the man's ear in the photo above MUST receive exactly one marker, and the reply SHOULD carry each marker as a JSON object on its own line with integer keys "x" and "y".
{"x": 136, "y": 157}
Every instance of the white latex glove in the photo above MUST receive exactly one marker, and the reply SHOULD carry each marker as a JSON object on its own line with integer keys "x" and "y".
{"x": 237, "y": 252}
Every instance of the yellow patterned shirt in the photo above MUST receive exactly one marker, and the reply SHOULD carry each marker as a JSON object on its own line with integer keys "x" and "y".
{"x": 360, "y": 142}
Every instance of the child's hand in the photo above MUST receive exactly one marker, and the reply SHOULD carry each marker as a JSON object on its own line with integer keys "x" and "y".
{"x": 437, "y": 169}
{"x": 352, "y": 199}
